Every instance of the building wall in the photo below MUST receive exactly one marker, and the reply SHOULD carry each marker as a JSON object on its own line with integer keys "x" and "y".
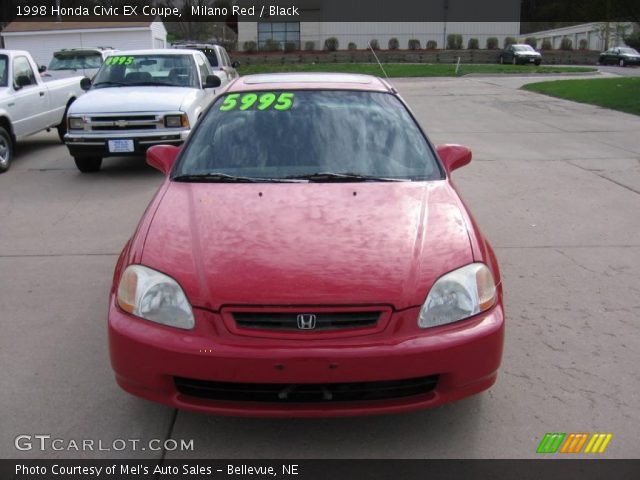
{"x": 593, "y": 33}
{"x": 362, "y": 32}
{"x": 42, "y": 46}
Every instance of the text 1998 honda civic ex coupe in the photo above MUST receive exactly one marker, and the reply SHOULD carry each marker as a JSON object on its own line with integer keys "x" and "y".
{"x": 306, "y": 255}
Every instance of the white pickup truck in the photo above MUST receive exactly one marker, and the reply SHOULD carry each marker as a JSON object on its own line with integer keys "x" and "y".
{"x": 27, "y": 103}
{"x": 139, "y": 98}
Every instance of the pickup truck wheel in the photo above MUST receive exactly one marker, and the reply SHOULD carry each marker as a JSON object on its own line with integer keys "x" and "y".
{"x": 62, "y": 127}
{"x": 6, "y": 150}
{"x": 88, "y": 164}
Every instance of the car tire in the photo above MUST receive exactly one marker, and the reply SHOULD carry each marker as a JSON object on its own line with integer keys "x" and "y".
{"x": 6, "y": 150}
{"x": 621, "y": 63}
{"x": 538, "y": 62}
{"x": 88, "y": 164}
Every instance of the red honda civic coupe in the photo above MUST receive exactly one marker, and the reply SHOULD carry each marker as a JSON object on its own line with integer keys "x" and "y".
{"x": 306, "y": 255}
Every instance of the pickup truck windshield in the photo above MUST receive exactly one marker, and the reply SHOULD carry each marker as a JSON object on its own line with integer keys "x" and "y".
{"x": 75, "y": 60}
{"x": 312, "y": 135}
{"x": 159, "y": 70}
{"x": 3, "y": 70}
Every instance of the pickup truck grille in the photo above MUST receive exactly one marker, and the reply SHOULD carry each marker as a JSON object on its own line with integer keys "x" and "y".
{"x": 125, "y": 122}
{"x": 306, "y": 322}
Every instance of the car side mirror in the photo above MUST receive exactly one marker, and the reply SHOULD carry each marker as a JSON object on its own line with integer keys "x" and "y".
{"x": 85, "y": 84}
{"x": 42, "y": 68}
{"x": 235, "y": 64}
{"x": 453, "y": 156}
{"x": 212, "y": 81}
{"x": 162, "y": 157}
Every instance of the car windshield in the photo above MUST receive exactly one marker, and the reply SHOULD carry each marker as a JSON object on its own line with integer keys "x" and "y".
{"x": 523, "y": 48}
{"x": 631, "y": 51}
{"x": 75, "y": 60}
{"x": 3, "y": 70}
{"x": 162, "y": 70}
{"x": 312, "y": 135}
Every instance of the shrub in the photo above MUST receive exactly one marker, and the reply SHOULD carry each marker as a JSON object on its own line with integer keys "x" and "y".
{"x": 532, "y": 42}
{"x": 454, "y": 41}
{"x": 309, "y": 46}
{"x": 546, "y": 44}
{"x": 352, "y": 46}
{"x": 249, "y": 47}
{"x": 393, "y": 44}
{"x": 509, "y": 41}
{"x": 473, "y": 44}
{"x": 566, "y": 44}
{"x": 633, "y": 40}
{"x": 414, "y": 44}
{"x": 290, "y": 47}
{"x": 492, "y": 43}
{"x": 374, "y": 44}
{"x": 583, "y": 44}
{"x": 271, "y": 45}
{"x": 331, "y": 44}
{"x": 431, "y": 45}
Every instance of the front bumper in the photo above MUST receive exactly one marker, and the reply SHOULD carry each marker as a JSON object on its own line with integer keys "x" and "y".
{"x": 147, "y": 358}
{"x": 95, "y": 144}
{"x": 527, "y": 59}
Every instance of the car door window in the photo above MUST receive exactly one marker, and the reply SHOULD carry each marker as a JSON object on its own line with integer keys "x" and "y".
{"x": 23, "y": 73}
{"x": 202, "y": 68}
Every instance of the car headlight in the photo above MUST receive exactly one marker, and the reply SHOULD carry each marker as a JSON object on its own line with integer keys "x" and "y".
{"x": 176, "y": 121}
{"x": 154, "y": 296}
{"x": 458, "y": 295}
{"x": 76, "y": 123}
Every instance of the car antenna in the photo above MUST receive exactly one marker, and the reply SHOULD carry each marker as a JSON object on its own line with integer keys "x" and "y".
{"x": 377, "y": 60}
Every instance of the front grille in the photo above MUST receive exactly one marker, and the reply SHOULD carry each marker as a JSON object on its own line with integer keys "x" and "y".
{"x": 305, "y": 392}
{"x": 321, "y": 321}
{"x": 125, "y": 122}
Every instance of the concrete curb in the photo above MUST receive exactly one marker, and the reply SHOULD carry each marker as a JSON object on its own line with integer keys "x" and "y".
{"x": 550, "y": 74}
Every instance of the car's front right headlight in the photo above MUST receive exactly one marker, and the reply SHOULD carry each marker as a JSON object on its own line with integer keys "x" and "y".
{"x": 154, "y": 296}
{"x": 76, "y": 123}
{"x": 457, "y": 295}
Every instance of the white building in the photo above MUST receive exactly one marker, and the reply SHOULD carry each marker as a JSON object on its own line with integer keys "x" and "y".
{"x": 360, "y": 33}
{"x": 41, "y": 39}
{"x": 594, "y": 34}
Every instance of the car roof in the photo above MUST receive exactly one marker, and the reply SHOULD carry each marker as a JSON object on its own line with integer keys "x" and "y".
{"x": 311, "y": 81}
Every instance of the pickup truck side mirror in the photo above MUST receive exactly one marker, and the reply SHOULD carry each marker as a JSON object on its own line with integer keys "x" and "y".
{"x": 161, "y": 157}
{"x": 42, "y": 68}
{"x": 212, "y": 81}
{"x": 453, "y": 156}
{"x": 85, "y": 84}
{"x": 235, "y": 64}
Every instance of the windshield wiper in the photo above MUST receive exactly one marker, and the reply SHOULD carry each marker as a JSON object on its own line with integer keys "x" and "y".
{"x": 110, "y": 84}
{"x": 344, "y": 177}
{"x": 224, "y": 178}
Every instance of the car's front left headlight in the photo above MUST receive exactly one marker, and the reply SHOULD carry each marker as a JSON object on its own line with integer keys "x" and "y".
{"x": 458, "y": 295}
{"x": 154, "y": 296}
{"x": 176, "y": 121}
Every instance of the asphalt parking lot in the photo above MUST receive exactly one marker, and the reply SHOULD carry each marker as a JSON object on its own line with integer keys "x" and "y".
{"x": 556, "y": 188}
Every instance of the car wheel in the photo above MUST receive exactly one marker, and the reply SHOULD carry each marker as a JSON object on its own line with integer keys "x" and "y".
{"x": 538, "y": 62}
{"x": 621, "y": 62}
{"x": 6, "y": 150}
{"x": 88, "y": 164}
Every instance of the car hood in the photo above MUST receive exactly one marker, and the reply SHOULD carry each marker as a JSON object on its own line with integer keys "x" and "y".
{"x": 309, "y": 243}
{"x": 132, "y": 99}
